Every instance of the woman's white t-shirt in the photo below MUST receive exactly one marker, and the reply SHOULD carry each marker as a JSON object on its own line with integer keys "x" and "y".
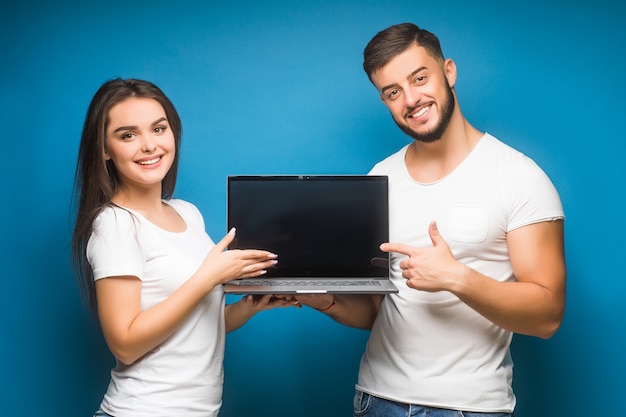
{"x": 184, "y": 375}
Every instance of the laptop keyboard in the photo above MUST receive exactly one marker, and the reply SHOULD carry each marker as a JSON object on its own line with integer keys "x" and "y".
{"x": 308, "y": 283}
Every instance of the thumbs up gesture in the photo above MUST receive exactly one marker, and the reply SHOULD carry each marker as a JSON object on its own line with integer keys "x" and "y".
{"x": 432, "y": 268}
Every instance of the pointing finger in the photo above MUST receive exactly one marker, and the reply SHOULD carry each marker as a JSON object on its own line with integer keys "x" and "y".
{"x": 397, "y": 247}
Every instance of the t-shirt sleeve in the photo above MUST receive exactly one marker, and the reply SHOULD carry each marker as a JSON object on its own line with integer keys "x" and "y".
{"x": 113, "y": 248}
{"x": 535, "y": 199}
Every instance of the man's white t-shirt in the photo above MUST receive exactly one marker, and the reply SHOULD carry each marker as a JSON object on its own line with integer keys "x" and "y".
{"x": 184, "y": 375}
{"x": 432, "y": 349}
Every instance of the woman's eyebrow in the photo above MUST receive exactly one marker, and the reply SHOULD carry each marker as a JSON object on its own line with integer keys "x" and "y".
{"x": 122, "y": 128}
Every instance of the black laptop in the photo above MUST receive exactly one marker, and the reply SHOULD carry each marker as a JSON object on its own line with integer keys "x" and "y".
{"x": 326, "y": 230}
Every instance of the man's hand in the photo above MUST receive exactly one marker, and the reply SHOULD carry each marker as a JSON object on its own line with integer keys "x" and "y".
{"x": 431, "y": 268}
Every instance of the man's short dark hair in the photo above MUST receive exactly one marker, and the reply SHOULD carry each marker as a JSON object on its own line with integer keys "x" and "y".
{"x": 393, "y": 41}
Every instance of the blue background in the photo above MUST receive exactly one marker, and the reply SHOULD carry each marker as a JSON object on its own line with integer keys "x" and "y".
{"x": 277, "y": 87}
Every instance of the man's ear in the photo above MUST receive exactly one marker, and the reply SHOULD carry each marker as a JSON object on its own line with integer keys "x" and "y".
{"x": 449, "y": 69}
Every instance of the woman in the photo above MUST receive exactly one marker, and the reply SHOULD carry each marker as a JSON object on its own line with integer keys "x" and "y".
{"x": 149, "y": 270}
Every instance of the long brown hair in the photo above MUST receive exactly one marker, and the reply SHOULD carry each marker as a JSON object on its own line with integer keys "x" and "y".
{"x": 96, "y": 180}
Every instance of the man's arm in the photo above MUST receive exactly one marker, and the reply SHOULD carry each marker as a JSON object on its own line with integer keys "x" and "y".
{"x": 352, "y": 310}
{"x": 533, "y": 305}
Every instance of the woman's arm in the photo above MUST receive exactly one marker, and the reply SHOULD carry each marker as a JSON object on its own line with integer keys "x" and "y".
{"x": 238, "y": 313}
{"x": 132, "y": 332}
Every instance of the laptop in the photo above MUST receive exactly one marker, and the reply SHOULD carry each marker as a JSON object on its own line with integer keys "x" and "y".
{"x": 325, "y": 229}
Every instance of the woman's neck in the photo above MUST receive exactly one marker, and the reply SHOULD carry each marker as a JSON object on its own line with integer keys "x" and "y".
{"x": 142, "y": 200}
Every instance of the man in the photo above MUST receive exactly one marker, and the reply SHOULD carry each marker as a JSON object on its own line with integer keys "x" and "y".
{"x": 478, "y": 252}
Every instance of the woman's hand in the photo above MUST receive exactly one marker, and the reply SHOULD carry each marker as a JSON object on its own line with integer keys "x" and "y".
{"x": 222, "y": 265}
{"x": 236, "y": 314}
{"x": 267, "y": 302}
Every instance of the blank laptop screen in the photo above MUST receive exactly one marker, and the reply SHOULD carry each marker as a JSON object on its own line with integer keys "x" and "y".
{"x": 319, "y": 225}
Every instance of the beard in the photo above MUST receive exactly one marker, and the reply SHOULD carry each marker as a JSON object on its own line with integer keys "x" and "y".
{"x": 447, "y": 108}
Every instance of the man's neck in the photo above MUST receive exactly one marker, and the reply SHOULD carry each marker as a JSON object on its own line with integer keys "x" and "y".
{"x": 429, "y": 162}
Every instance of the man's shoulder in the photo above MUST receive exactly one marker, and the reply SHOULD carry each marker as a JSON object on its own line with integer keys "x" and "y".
{"x": 503, "y": 152}
{"x": 390, "y": 162}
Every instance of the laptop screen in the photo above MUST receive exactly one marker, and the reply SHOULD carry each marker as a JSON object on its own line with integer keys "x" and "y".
{"x": 319, "y": 225}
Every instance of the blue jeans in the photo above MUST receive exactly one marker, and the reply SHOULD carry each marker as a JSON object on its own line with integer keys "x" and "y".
{"x": 366, "y": 405}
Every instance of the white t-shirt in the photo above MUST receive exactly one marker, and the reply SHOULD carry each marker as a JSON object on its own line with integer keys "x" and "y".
{"x": 184, "y": 375}
{"x": 432, "y": 349}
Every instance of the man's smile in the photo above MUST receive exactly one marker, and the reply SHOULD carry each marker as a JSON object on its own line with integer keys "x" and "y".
{"x": 419, "y": 111}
